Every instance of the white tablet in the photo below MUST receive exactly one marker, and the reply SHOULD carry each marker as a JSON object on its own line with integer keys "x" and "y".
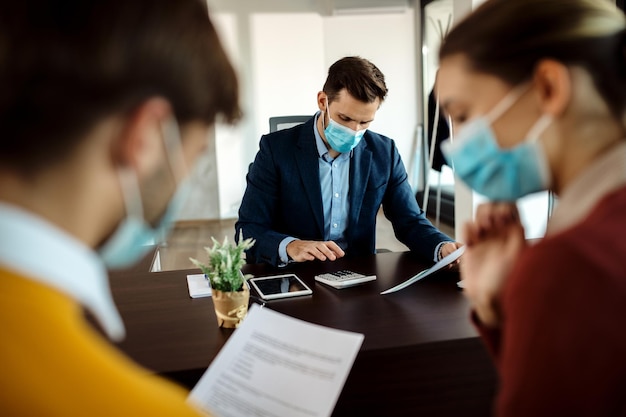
{"x": 279, "y": 286}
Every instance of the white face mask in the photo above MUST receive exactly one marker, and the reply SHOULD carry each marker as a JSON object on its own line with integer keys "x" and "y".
{"x": 132, "y": 239}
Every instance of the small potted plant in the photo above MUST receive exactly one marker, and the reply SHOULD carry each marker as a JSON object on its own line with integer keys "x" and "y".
{"x": 223, "y": 272}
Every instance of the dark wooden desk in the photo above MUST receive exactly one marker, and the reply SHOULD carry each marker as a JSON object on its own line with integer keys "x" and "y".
{"x": 420, "y": 356}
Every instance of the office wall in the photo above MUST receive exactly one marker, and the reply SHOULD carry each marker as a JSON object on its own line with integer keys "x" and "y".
{"x": 282, "y": 50}
{"x": 388, "y": 40}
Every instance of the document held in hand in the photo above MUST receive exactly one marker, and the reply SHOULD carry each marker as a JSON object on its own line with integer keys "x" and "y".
{"x": 276, "y": 365}
{"x": 447, "y": 260}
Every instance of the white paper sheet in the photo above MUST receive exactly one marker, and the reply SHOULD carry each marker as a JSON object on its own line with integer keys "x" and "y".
{"x": 198, "y": 286}
{"x": 447, "y": 260}
{"x": 275, "y": 365}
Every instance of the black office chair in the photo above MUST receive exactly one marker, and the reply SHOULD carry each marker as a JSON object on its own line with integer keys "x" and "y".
{"x": 285, "y": 122}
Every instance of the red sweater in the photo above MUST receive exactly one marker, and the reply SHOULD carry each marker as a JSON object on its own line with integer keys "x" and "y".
{"x": 561, "y": 350}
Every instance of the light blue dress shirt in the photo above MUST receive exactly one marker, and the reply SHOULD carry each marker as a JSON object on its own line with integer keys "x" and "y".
{"x": 335, "y": 183}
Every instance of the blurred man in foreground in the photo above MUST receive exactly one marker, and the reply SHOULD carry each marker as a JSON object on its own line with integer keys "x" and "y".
{"x": 105, "y": 106}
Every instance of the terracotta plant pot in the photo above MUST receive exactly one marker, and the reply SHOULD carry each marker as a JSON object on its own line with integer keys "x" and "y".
{"x": 230, "y": 307}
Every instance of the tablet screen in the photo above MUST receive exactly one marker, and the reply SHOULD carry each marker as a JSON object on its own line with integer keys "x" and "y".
{"x": 280, "y": 286}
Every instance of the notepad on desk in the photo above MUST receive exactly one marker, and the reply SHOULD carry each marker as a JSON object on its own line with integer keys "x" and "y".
{"x": 198, "y": 286}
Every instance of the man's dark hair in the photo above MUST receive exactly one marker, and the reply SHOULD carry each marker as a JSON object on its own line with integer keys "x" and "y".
{"x": 361, "y": 79}
{"x": 67, "y": 64}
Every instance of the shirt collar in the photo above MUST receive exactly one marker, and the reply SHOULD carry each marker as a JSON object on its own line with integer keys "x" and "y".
{"x": 321, "y": 146}
{"x": 46, "y": 254}
{"x": 605, "y": 175}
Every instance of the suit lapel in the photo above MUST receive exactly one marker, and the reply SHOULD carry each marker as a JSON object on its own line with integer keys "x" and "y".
{"x": 308, "y": 166}
{"x": 359, "y": 175}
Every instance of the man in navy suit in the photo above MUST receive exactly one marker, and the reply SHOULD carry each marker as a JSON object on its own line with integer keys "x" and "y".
{"x": 314, "y": 190}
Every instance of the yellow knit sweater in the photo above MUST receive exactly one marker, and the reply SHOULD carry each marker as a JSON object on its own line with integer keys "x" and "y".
{"x": 52, "y": 363}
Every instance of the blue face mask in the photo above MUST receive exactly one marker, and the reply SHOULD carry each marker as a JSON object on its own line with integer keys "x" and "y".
{"x": 499, "y": 174}
{"x": 132, "y": 239}
{"x": 341, "y": 138}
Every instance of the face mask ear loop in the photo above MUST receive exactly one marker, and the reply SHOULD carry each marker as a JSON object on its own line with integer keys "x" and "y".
{"x": 451, "y": 139}
{"x": 538, "y": 128}
{"x": 533, "y": 136}
{"x": 506, "y": 103}
{"x": 174, "y": 148}
{"x": 130, "y": 193}
{"x": 323, "y": 115}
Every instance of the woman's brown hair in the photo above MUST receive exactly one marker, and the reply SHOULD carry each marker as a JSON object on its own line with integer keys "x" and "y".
{"x": 507, "y": 38}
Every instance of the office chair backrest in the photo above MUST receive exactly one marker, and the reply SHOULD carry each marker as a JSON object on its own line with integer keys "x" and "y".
{"x": 285, "y": 122}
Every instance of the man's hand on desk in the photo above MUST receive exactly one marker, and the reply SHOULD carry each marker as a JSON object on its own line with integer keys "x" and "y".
{"x": 308, "y": 250}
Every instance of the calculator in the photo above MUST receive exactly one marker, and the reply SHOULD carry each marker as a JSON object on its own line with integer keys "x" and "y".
{"x": 343, "y": 279}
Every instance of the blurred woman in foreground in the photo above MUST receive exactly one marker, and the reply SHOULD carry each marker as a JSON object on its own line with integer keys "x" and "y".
{"x": 535, "y": 90}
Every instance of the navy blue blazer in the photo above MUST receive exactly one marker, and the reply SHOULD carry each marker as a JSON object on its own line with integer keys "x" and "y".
{"x": 283, "y": 196}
